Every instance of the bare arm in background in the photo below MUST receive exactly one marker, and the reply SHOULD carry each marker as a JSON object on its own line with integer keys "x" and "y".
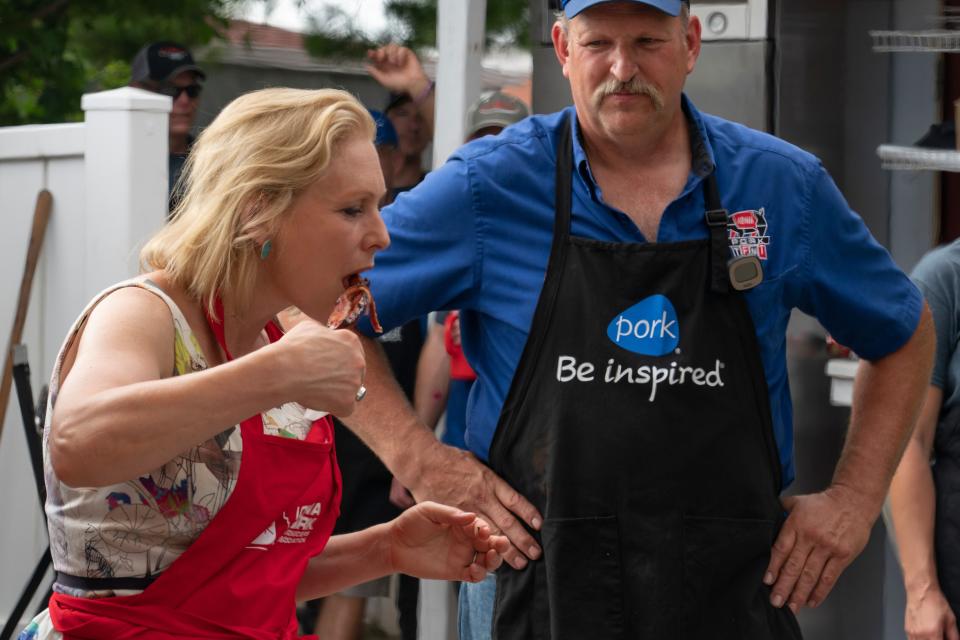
{"x": 913, "y": 505}
{"x": 398, "y": 70}
{"x": 433, "y": 377}
{"x": 387, "y": 423}
{"x": 825, "y": 531}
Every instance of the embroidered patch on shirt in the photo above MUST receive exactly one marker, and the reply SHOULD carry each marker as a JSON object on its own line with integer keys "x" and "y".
{"x": 747, "y": 231}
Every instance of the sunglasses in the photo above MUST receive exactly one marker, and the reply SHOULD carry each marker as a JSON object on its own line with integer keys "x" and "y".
{"x": 193, "y": 90}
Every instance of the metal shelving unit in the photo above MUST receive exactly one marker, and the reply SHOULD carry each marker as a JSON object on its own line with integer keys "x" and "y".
{"x": 918, "y": 158}
{"x": 923, "y": 41}
{"x": 927, "y": 41}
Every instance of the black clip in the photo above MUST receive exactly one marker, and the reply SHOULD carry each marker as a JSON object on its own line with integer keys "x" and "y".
{"x": 716, "y": 217}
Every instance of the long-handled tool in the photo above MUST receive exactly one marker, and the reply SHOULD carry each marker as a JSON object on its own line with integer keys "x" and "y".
{"x": 32, "y": 417}
{"x": 41, "y": 215}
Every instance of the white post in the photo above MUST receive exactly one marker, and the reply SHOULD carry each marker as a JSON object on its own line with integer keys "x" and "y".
{"x": 460, "y": 32}
{"x": 125, "y": 163}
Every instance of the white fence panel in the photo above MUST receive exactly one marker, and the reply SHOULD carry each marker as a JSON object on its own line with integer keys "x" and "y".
{"x": 109, "y": 180}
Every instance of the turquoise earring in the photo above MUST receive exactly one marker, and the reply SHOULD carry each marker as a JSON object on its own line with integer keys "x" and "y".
{"x": 265, "y": 249}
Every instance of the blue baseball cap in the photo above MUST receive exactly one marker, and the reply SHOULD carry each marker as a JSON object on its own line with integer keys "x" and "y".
{"x": 386, "y": 134}
{"x": 573, "y": 7}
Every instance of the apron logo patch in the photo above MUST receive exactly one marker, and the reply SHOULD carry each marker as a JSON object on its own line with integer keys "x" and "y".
{"x": 649, "y": 327}
{"x": 747, "y": 231}
{"x": 295, "y": 530}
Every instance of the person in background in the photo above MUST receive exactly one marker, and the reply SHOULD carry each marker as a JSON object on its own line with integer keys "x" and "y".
{"x": 190, "y": 494}
{"x": 388, "y": 150}
{"x": 492, "y": 112}
{"x": 625, "y": 271}
{"x": 925, "y": 493}
{"x": 168, "y": 68}
{"x": 410, "y": 108}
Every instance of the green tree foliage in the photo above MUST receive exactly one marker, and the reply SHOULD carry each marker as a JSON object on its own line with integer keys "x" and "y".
{"x": 414, "y": 24}
{"x": 53, "y": 51}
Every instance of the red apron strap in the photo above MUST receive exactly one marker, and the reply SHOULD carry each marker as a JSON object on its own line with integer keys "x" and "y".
{"x": 274, "y": 332}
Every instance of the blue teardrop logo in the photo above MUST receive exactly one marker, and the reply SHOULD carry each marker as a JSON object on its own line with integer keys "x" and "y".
{"x": 649, "y": 327}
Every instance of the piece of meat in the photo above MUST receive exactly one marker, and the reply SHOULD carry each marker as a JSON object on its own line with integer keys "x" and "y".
{"x": 352, "y": 303}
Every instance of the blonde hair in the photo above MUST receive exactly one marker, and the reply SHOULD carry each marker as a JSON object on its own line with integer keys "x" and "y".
{"x": 240, "y": 178}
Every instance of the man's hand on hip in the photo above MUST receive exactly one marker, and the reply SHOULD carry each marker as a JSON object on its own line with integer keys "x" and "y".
{"x": 456, "y": 478}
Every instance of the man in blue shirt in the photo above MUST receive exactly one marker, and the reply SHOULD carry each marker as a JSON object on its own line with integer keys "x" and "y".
{"x": 626, "y": 269}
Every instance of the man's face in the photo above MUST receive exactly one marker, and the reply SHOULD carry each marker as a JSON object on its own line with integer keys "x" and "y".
{"x": 627, "y": 63}
{"x": 411, "y": 131}
{"x": 184, "y": 110}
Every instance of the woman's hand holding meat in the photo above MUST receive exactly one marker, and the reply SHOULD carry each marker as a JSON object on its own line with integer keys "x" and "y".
{"x": 324, "y": 367}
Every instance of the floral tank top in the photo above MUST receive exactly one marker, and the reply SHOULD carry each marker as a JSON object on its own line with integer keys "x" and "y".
{"x": 138, "y": 528}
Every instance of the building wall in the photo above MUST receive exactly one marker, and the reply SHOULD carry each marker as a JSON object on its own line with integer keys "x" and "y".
{"x": 227, "y": 81}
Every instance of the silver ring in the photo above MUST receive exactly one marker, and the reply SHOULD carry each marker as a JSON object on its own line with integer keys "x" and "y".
{"x": 362, "y": 391}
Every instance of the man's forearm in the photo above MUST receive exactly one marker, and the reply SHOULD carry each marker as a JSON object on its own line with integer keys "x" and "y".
{"x": 887, "y": 397}
{"x": 386, "y": 422}
{"x": 434, "y": 471}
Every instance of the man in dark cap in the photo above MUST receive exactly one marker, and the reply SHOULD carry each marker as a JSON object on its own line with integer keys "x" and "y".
{"x": 169, "y": 68}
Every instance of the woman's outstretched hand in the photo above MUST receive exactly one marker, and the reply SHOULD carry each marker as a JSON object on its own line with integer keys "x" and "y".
{"x": 434, "y": 541}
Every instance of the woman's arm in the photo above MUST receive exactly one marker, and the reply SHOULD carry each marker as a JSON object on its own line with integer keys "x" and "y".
{"x": 913, "y": 506}
{"x": 119, "y": 413}
{"x": 428, "y": 541}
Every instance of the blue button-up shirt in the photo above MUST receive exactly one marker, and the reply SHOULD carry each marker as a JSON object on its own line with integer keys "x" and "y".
{"x": 475, "y": 235}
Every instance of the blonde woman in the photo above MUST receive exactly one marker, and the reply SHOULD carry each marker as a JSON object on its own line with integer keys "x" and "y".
{"x": 198, "y": 505}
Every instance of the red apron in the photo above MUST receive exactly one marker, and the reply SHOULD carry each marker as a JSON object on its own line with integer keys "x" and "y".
{"x": 238, "y": 579}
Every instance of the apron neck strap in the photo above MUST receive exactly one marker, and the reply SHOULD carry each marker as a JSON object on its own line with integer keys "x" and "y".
{"x": 716, "y": 217}
{"x": 274, "y": 332}
{"x": 564, "y": 187}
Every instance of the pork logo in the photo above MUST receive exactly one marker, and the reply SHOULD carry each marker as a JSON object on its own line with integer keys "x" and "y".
{"x": 649, "y": 327}
{"x": 747, "y": 233}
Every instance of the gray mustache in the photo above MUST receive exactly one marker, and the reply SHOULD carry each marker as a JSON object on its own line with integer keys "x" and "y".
{"x": 635, "y": 87}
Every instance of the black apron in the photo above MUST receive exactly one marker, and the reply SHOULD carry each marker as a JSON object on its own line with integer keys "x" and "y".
{"x": 638, "y": 423}
{"x": 946, "y": 477}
